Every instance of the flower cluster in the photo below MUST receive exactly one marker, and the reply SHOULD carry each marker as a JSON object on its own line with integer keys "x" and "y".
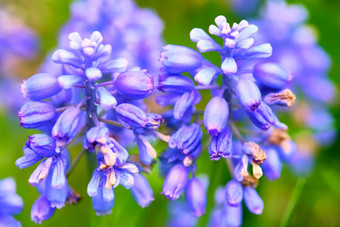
{"x": 237, "y": 98}
{"x": 10, "y": 203}
{"x": 133, "y": 33}
{"x": 16, "y": 41}
{"x": 297, "y": 51}
{"x": 101, "y": 99}
{"x": 18, "y": 44}
{"x": 93, "y": 93}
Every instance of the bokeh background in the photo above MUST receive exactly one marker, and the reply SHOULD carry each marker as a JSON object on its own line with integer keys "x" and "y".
{"x": 319, "y": 202}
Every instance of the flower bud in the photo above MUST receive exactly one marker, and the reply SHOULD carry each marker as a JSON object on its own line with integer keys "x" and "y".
{"x": 248, "y": 94}
{"x": 185, "y": 102}
{"x": 30, "y": 158}
{"x": 103, "y": 201}
{"x": 206, "y": 75}
{"x": 261, "y": 51}
{"x": 204, "y": 42}
{"x": 175, "y": 182}
{"x": 187, "y": 138}
{"x": 221, "y": 145}
{"x": 113, "y": 65}
{"x": 154, "y": 121}
{"x": 178, "y": 59}
{"x": 55, "y": 192}
{"x": 263, "y": 117}
{"x": 271, "y": 75}
{"x": 107, "y": 101}
{"x": 272, "y": 166}
{"x": 216, "y": 115}
{"x": 253, "y": 201}
{"x": 146, "y": 152}
{"x": 40, "y": 86}
{"x": 35, "y": 114}
{"x": 67, "y": 125}
{"x": 229, "y": 66}
{"x": 94, "y": 136}
{"x": 93, "y": 74}
{"x": 10, "y": 202}
{"x": 41, "y": 210}
{"x": 176, "y": 84}
{"x": 141, "y": 191}
{"x": 130, "y": 116}
{"x": 66, "y": 57}
{"x": 134, "y": 84}
{"x": 7, "y": 220}
{"x": 232, "y": 215}
{"x": 195, "y": 196}
{"x": 43, "y": 145}
{"x": 68, "y": 81}
{"x": 234, "y": 193}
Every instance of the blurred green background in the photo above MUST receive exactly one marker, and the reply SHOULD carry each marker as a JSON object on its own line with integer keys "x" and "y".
{"x": 319, "y": 203}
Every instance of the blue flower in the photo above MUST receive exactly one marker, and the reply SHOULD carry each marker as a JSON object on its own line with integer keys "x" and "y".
{"x": 36, "y": 114}
{"x": 142, "y": 191}
{"x": 216, "y": 115}
{"x": 178, "y": 59}
{"x": 40, "y": 86}
{"x": 221, "y": 145}
{"x": 41, "y": 210}
{"x": 195, "y": 196}
{"x": 134, "y": 39}
{"x": 104, "y": 179}
{"x": 188, "y": 141}
{"x": 134, "y": 84}
{"x": 68, "y": 125}
{"x": 10, "y": 203}
{"x": 175, "y": 182}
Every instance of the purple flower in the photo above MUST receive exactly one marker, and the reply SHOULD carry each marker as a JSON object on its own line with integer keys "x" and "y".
{"x": 137, "y": 35}
{"x": 103, "y": 200}
{"x": 195, "y": 196}
{"x": 130, "y": 116}
{"x": 141, "y": 191}
{"x": 248, "y": 94}
{"x": 175, "y": 84}
{"x": 175, "y": 182}
{"x": 271, "y": 75}
{"x": 107, "y": 101}
{"x": 234, "y": 193}
{"x": 221, "y": 145}
{"x": 134, "y": 84}
{"x": 94, "y": 136}
{"x": 67, "y": 125}
{"x": 272, "y": 165}
{"x": 10, "y": 202}
{"x": 41, "y": 210}
{"x": 104, "y": 178}
{"x": 232, "y": 215}
{"x": 42, "y": 145}
{"x": 188, "y": 140}
{"x": 35, "y": 114}
{"x": 216, "y": 115}
{"x": 178, "y": 59}
{"x": 253, "y": 201}
{"x": 263, "y": 117}
{"x": 51, "y": 169}
{"x": 180, "y": 215}
{"x": 40, "y": 86}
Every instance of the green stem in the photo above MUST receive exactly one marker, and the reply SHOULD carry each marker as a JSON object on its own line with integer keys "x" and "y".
{"x": 293, "y": 201}
{"x": 75, "y": 162}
